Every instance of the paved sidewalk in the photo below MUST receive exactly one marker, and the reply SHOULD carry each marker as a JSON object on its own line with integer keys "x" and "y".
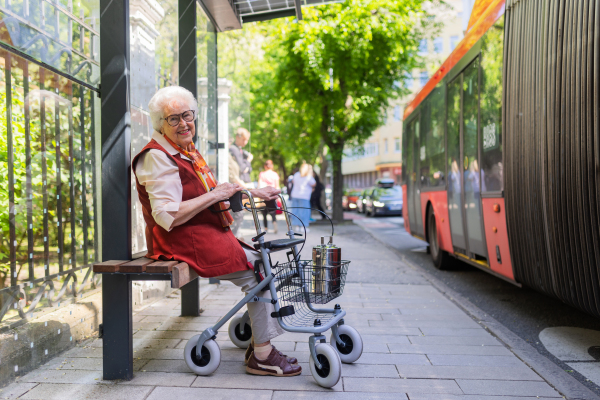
{"x": 418, "y": 345}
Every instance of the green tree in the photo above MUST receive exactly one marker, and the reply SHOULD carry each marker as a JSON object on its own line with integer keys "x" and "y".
{"x": 340, "y": 67}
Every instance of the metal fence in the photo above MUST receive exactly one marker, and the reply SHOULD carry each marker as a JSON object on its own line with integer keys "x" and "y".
{"x": 48, "y": 170}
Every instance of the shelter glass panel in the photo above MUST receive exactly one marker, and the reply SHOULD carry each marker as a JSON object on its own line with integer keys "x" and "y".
{"x": 154, "y": 65}
{"x": 62, "y": 34}
{"x": 206, "y": 135}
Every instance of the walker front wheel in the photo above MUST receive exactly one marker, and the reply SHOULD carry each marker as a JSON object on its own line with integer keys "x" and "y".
{"x": 353, "y": 344}
{"x": 209, "y": 359}
{"x": 331, "y": 367}
{"x": 235, "y": 333}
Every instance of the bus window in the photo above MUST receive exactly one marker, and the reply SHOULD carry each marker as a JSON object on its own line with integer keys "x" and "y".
{"x": 491, "y": 108}
{"x": 433, "y": 163}
{"x": 405, "y": 134}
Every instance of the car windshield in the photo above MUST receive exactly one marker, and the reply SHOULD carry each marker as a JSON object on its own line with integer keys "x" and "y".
{"x": 395, "y": 191}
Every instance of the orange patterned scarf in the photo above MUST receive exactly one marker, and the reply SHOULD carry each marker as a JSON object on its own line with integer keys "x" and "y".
{"x": 205, "y": 175}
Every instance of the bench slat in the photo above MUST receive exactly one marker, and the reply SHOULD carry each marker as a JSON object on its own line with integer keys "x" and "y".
{"x": 161, "y": 267}
{"x": 181, "y": 275}
{"x": 136, "y": 266}
{"x": 109, "y": 266}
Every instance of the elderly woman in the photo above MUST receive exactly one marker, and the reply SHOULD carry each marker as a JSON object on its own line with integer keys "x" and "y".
{"x": 177, "y": 191}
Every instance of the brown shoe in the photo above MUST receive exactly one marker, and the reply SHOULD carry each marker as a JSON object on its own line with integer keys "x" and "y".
{"x": 250, "y": 349}
{"x": 275, "y": 365}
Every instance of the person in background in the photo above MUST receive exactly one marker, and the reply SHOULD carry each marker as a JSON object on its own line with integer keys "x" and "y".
{"x": 315, "y": 197}
{"x": 242, "y": 157}
{"x": 243, "y": 161}
{"x": 304, "y": 184}
{"x": 268, "y": 177}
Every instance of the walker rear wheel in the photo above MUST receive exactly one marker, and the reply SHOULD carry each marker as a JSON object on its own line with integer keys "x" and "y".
{"x": 209, "y": 359}
{"x": 331, "y": 367}
{"x": 235, "y": 335}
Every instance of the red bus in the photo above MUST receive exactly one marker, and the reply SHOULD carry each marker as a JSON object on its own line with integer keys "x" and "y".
{"x": 501, "y": 149}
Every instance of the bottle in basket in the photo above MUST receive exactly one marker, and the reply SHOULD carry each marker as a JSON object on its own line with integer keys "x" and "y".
{"x": 327, "y": 259}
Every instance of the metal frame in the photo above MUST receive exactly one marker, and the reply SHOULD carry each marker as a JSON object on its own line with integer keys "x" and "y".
{"x": 252, "y": 295}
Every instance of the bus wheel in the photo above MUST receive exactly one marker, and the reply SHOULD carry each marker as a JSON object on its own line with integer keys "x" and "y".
{"x": 441, "y": 259}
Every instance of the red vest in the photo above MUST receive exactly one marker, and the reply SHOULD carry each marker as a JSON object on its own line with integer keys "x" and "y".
{"x": 201, "y": 242}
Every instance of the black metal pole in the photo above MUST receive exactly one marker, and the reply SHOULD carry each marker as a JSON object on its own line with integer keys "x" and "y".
{"x": 116, "y": 130}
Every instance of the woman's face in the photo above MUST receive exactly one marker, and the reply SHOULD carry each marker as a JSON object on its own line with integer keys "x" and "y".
{"x": 182, "y": 133}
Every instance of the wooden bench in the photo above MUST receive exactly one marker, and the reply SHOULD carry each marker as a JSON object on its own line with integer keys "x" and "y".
{"x": 117, "y": 319}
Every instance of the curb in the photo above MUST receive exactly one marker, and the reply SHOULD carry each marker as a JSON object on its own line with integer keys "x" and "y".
{"x": 555, "y": 376}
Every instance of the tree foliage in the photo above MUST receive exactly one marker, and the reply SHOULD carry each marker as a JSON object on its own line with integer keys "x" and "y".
{"x": 339, "y": 68}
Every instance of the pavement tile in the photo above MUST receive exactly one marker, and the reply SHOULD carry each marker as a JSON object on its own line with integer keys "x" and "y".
{"x": 398, "y": 339}
{"x": 147, "y": 326}
{"x": 455, "y": 340}
{"x": 163, "y": 393}
{"x": 252, "y": 382}
{"x": 424, "y": 324}
{"x": 452, "y": 331}
{"x": 431, "y": 311}
{"x": 184, "y": 326}
{"x": 48, "y": 391}
{"x": 368, "y": 347}
{"x": 421, "y": 396}
{"x": 426, "y": 317}
{"x": 185, "y": 335}
{"x": 507, "y": 388}
{"x": 159, "y": 311}
{"x": 403, "y": 359}
{"x": 63, "y": 376}
{"x": 16, "y": 389}
{"x": 488, "y": 361}
{"x": 448, "y": 349}
{"x": 521, "y": 372}
{"x": 409, "y": 386}
{"x": 281, "y": 395}
{"x": 367, "y": 371}
{"x": 161, "y": 379}
{"x": 201, "y": 318}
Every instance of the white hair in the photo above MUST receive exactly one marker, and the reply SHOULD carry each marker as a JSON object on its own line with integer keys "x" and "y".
{"x": 166, "y": 95}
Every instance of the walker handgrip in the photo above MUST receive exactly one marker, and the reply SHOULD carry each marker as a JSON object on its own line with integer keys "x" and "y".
{"x": 255, "y": 238}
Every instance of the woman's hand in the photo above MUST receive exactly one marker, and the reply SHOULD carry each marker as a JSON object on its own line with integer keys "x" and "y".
{"x": 266, "y": 193}
{"x": 225, "y": 190}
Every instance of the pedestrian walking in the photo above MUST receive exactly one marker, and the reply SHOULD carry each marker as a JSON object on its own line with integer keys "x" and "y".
{"x": 315, "y": 197}
{"x": 304, "y": 184}
{"x": 241, "y": 165}
{"x": 268, "y": 177}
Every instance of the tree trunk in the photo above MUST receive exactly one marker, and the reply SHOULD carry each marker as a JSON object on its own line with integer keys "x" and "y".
{"x": 323, "y": 176}
{"x": 338, "y": 182}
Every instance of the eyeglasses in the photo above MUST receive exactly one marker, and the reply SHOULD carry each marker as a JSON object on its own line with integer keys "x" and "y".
{"x": 187, "y": 116}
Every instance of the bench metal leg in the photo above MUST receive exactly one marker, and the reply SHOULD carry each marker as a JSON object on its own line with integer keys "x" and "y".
{"x": 117, "y": 321}
{"x": 190, "y": 298}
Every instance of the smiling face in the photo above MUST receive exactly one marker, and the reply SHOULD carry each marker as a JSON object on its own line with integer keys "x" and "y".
{"x": 183, "y": 133}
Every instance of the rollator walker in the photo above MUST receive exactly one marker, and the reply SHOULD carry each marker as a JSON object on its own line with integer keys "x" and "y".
{"x": 295, "y": 287}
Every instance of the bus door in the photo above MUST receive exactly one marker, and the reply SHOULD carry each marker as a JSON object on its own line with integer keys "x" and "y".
{"x": 413, "y": 187}
{"x": 464, "y": 177}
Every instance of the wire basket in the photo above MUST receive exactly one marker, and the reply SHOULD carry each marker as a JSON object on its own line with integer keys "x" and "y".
{"x": 304, "y": 282}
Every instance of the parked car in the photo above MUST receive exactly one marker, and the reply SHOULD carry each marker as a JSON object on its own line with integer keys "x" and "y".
{"x": 362, "y": 199}
{"x": 349, "y": 199}
{"x": 384, "y": 201}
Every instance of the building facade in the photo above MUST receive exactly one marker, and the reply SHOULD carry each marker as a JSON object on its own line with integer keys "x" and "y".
{"x": 381, "y": 155}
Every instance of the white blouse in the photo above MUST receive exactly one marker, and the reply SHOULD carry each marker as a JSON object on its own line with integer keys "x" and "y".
{"x": 160, "y": 176}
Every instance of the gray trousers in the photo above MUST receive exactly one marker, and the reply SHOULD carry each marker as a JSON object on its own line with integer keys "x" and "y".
{"x": 264, "y": 328}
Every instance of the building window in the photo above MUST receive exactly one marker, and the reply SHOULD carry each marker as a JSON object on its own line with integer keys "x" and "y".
{"x": 453, "y": 42}
{"x": 438, "y": 45}
{"x": 397, "y": 113}
{"x": 423, "y": 78}
{"x": 385, "y": 145}
{"x": 397, "y": 145}
{"x": 408, "y": 80}
{"x": 423, "y": 46}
